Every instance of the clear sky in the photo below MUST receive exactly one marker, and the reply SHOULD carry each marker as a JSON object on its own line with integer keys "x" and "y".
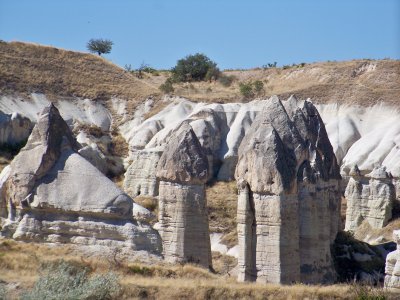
{"x": 234, "y": 33}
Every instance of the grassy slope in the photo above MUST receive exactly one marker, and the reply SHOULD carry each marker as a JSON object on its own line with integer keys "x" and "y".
{"x": 26, "y": 68}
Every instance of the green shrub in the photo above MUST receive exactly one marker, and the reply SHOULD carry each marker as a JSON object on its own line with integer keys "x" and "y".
{"x": 65, "y": 280}
{"x": 99, "y": 46}
{"x": 269, "y": 65}
{"x": 246, "y": 89}
{"x": 167, "y": 86}
{"x": 258, "y": 86}
{"x": 194, "y": 68}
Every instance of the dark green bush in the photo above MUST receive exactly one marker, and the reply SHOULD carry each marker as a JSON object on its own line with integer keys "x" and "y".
{"x": 195, "y": 67}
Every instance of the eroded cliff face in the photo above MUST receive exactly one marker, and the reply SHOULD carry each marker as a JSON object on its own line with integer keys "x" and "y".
{"x": 370, "y": 198}
{"x": 289, "y": 196}
{"x": 51, "y": 193}
{"x": 183, "y": 220}
{"x": 392, "y": 269}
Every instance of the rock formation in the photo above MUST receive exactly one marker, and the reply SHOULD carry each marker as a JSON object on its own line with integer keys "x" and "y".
{"x": 53, "y": 194}
{"x": 369, "y": 198}
{"x": 289, "y": 199}
{"x": 140, "y": 177}
{"x": 392, "y": 269}
{"x": 14, "y": 129}
{"x": 182, "y": 171}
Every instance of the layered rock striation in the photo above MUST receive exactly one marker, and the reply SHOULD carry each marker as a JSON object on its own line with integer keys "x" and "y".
{"x": 183, "y": 222}
{"x": 289, "y": 196}
{"x": 369, "y": 198}
{"x": 52, "y": 194}
{"x": 392, "y": 268}
{"x": 140, "y": 177}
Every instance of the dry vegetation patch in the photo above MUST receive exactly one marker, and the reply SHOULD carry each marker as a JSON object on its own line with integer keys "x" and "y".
{"x": 20, "y": 263}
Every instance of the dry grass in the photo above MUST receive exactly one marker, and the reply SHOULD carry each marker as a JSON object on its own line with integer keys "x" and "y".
{"x": 27, "y": 68}
{"x": 222, "y": 206}
{"x": 19, "y": 263}
{"x": 365, "y": 231}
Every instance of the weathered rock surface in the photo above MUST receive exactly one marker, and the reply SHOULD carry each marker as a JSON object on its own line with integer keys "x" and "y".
{"x": 140, "y": 177}
{"x": 289, "y": 199}
{"x": 369, "y": 198}
{"x": 14, "y": 128}
{"x": 55, "y": 195}
{"x": 182, "y": 171}
{"x": 392, "y": 268}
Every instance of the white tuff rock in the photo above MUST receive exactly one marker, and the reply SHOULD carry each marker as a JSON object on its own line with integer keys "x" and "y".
{"x": 53, "y": 194}
{"x": 392, "y": 269}
{"x": 182, "y": 171}
{"x": 289, "y": 199}
{"x": 370, "y": 197}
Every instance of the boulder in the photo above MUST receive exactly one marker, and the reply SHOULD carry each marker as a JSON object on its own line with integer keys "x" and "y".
{"x": 55, "y": 195}
{"x": 392, "y": 268}
{"x": 182, "y": 171}
{"x": 289, "y": 196}
{"x": 370, "y": 197}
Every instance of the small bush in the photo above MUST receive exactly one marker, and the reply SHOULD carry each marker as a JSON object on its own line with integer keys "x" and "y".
{"x": 167, "y": 86}
{"x": 226, "y": 80}
{"x": 270, "y": 65}
{"x": 65, "y": 280}
{"x": 194, "y": 68}
{"x": 246, "y": 89}
{"x": 258, "y": 86}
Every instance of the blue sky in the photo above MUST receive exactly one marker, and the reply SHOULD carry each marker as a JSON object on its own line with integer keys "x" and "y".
{"x": 235, "y": 34}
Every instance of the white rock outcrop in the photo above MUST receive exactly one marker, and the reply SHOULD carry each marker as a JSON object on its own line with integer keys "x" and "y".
{"x": 392, "y": 268}
{"x": 289, "y": 196}
{"x": 14, "y": 128}
{"x": 53, "y": 194}
{"x": 182, "y": 172}
{"x": 140, "y": 177}
{"x": 370, "y": 197}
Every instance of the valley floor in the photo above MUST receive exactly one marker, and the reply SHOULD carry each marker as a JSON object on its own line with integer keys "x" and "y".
{"x": 20, "y": 266}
